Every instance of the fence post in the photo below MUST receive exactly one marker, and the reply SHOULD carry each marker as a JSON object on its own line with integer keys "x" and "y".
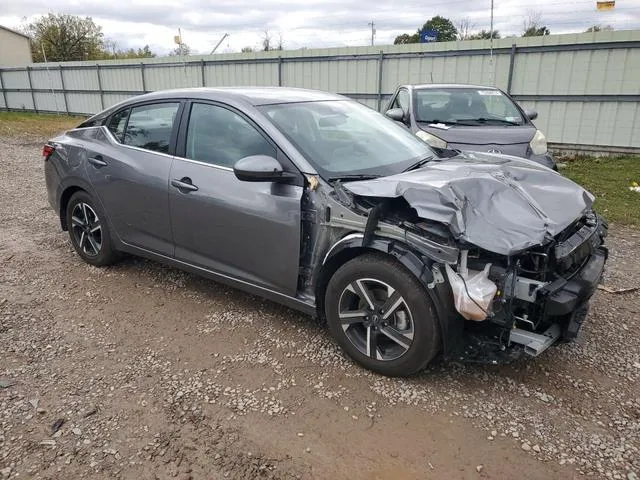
{"x": 202, "y": 72}
{"x": 144, "y": 83}
{"x": 4, "y": 93}
{"x": 279, "y": 70}
{"x": 512, "y": 61}
{"x": 64, "y": 91}
{"x": 100, "y": 87}
{"x": 33, "y": 96}
{"x": 380, "y": 60}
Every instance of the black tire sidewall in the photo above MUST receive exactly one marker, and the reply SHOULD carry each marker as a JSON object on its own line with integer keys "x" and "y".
{"x": 426, "y": 339}
{"x": 107, "y": 254}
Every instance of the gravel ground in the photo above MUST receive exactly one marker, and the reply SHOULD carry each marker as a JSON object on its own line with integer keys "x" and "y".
{"x": 142, "y": 371}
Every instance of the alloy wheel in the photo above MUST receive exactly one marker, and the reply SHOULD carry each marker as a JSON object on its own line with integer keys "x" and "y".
{"x": 376, "y": 319}
{"x": 87, "y": 230}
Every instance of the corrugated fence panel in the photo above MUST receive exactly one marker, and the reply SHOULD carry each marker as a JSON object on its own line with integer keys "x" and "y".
{"x": 182, "y": 76}
{"x": 589, "y": 123}
{"x": 121, "y": 79}
{"x": 46, "y": 79}
{"x": 111, "y": 99}
{"x": 46, "y": 102}
{"x": 19, "y": 100}
{"x": 235, "y": 74}
{"x": 83, "y": 102}
{"x": 15, "y": 79}
{"x": 81, "y": 79}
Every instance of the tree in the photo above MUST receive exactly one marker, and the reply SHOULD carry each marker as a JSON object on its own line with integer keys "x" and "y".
{"x": 464, "y": 27}
{"x": 266, "y": 41}
{"x": 247, "y": 49}
{"x": 406, "y": 38}
{"x": 181, "y": 50}
{"x": 65, "y": 38}
{"x": 484, "y": 35}
{"x": 598, "y": 28}
{"x": 533, "y": 25}
{"x": 280, "y": 45}
{"x": 110, "y": 51}
{"x": 447, "y": 31}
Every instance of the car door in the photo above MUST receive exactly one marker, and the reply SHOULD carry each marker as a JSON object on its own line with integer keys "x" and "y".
{"x": 245, "y": 230}
{"x": 129, "y": 169}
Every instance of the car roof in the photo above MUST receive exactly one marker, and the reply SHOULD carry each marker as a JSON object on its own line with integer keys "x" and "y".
{"x": 426, "y": 86}
{"x": 253, "y": 95}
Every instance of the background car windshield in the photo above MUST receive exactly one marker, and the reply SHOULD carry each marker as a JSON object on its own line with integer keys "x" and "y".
{"x": 345, "y": 138}
{"x": 465, "y": 105}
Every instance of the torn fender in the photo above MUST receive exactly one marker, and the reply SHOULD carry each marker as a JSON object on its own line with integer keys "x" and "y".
{"x": 499, "y": 203}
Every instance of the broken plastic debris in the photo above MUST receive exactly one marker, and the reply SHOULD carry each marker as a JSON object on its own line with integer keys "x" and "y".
{"x": 472, "y": 292}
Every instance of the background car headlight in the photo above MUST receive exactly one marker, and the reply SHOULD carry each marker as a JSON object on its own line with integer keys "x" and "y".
{"x": 434, "y": 141}
{"x": 538, "y": 143}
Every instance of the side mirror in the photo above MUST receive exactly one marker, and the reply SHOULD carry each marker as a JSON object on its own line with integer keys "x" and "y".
{"x": 531, "y": 114}
{"x": 260, "y": 168}
{"x": 396, "y": 114}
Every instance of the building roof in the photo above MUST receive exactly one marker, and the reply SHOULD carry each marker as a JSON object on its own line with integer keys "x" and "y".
{"x": 14, "y": 31}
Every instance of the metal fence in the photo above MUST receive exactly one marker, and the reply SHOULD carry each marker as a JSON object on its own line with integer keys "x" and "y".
{"x": 586, "y": 87}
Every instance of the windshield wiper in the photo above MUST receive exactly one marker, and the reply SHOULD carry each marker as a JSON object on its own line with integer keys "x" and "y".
{"x": 353, "y": 177}
{"x": 499, "y": 120}
{"x": 418, "y": 164}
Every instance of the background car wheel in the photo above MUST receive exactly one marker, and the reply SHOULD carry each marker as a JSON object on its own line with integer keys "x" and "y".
{"x": 88, "y": 231}
{"x": 382, "y": 316}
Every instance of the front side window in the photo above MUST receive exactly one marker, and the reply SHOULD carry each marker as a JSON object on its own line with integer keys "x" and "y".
{"x": 402, "y": 101}
{"x": 221, "y": 137}
{"x": 467, "y": 106}
{"x": 150, "y": 126}
{"x": 345, "y": 137}
{"x": 117, "y": 123}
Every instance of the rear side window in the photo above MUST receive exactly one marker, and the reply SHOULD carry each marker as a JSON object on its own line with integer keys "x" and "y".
{"x": 117, "y": 123}
{"x": 150, "y": 126}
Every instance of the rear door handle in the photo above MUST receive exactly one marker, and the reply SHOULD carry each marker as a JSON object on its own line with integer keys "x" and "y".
{"x": 184, "y": 184}
{"x": 97, "y": 161}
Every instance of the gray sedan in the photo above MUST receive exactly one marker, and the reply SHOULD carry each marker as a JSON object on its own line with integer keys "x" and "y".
{"x": 470, "y": 117}
{"x": 322, "y": 204}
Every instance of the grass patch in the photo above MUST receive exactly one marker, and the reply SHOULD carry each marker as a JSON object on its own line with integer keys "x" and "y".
{"x": 609, "y": 179}
{"x": 16, "y": 124}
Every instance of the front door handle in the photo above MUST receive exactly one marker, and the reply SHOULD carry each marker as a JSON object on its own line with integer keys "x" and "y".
{"x": 97, "y": 161}
{"x": 184, "y": 184}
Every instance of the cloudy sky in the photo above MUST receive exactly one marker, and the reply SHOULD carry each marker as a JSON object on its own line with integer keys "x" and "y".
{"x": 319, "y": 23}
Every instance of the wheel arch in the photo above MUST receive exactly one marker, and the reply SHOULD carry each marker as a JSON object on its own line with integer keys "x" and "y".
{"x": 65, "y": 196}
{"x": 350, "y": 247}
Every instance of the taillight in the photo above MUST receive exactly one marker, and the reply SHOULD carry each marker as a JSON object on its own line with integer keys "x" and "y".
{"x": 47, "y": 150}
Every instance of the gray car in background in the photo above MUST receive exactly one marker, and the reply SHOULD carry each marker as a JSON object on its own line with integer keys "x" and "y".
{"x": 317, "y": 202}
{"x": 470, "y": 117}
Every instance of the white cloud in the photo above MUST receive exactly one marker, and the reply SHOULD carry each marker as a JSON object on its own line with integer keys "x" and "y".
{"x": 323, "y": 23}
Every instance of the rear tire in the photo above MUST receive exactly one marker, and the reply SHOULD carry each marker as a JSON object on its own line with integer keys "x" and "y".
{"x": 382, "y": 316}
{"x": 88, "y": 230}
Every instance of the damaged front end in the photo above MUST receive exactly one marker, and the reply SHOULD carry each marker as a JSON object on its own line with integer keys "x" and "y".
{"x": 510, "y": 252}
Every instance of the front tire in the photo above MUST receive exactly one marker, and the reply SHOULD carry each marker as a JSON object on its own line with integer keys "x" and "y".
{"x": 88, "y": 230}
{"x": 382, "y": 316}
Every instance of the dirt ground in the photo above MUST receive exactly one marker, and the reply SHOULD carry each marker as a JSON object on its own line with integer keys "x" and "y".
{"x": 155, "y": 373}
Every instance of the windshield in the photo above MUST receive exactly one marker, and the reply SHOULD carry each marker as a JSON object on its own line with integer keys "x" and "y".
{"x": 347, "y": 138}
{"x": 466, "y": 106}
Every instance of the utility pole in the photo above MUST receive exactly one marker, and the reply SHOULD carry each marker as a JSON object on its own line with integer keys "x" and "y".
{"x": 491, "y": 44}
{"x": 372, "y": 24}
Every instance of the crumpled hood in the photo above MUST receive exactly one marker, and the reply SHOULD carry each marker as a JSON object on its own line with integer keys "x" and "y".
{"x": 499, "y": 203}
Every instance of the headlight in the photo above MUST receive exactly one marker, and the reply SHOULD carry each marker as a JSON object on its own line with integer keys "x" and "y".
{"x": 538, "y": 143}
{"x": 432, "y": 140}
